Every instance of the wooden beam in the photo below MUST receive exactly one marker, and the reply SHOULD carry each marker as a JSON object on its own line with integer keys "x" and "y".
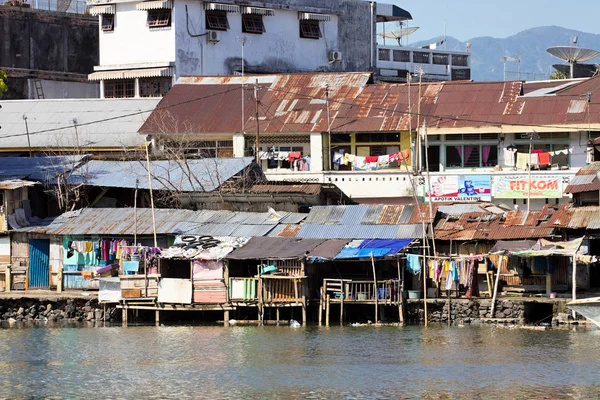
{"x": 99, "y": 197}
{"x": 375, "y": 289}
{"x": 327, "y": 312}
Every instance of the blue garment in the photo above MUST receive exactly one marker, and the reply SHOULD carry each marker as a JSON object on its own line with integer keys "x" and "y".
{"x": 413, "y": 264}
{"x": 454, "y": 270}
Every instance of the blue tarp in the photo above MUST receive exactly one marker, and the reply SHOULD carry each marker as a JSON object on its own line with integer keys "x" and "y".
{"x": 379, "y": 248}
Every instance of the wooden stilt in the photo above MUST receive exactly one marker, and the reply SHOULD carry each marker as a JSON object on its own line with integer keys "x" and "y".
{"x": 321, "y": 301}
{"x": 375, "y": 289}
{"x": 342, "y": 307}
{"x": 574, "y": 295}
{"x": 400, "y": 293}
{"x": 225, "y": 318}
{"x": 124, "y": 315}
{"x": 449, "y": 307}
{"x": 8, "y": 279}
{"x": 327, "y": 312}
{"x": 157, "y": 317}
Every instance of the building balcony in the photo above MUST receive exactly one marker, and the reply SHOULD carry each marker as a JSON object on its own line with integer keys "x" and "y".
{"x": 394, "y": 62}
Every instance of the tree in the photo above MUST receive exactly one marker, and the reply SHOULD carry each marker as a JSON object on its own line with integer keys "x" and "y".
{"x": 559, "y": 75}
{"x": 3, "y": 83}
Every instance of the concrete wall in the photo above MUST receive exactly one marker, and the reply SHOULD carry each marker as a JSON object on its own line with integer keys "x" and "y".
{"x": 132, "y": 42}
{"x": 49, "y": 41}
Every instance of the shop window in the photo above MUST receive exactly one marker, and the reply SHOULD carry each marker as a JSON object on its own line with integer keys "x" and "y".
{"x": 340, "y": 138}
{"x": 559, "y": 159}
{"x": 441, "y": 59}
{"x": 377, "y": 137}
{"x": 310, "y": 29}
{"x": 108, "y": 22}
{"x": 154, "y": 87}
{"x": 159, "y": 18}
{"x": 401, "y": 56}
{"x": 119, "y": 88}
{"x": 217, "y": 20}
{"x": 420, "y": 57}
{"x": 252, "y": 23}
{"x": 471, "y": 156}
{"x": 384, "y": 54}
{"x": 460, "y": 60}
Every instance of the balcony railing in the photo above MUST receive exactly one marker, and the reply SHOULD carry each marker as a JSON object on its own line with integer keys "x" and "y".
{"x": 361, "y": 291}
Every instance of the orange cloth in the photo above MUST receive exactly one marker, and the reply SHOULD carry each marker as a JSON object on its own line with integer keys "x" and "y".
{"x": 544, "y": 158}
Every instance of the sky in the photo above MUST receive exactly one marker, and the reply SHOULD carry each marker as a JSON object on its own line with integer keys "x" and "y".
{"x": 466, "y": 19}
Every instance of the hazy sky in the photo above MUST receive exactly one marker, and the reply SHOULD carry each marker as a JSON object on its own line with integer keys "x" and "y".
{"x": 466, "y": 19}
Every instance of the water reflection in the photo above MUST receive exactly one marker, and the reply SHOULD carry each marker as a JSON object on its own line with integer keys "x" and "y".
{"x": 189, "y": 362}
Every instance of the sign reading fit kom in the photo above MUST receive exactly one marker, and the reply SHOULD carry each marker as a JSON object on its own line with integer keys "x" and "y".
{"x": 459, "y": 188}
{"x": 517, "y": 187}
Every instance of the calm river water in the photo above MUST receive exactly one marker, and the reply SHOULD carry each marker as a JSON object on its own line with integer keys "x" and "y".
{"x": 184, "y": 362}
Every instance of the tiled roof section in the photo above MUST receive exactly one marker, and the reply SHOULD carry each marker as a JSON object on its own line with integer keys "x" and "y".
{"x": 586, "y": 179}
{"x": 296, "y": 103}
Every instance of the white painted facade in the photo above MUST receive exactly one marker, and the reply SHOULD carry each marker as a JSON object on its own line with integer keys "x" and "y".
{"x": 388, "y": 184}
{"x": 189, "y": 48}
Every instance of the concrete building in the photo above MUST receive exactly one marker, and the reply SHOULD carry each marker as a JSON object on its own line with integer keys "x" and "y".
{"x": 48, "y": 54}
{"x": 477, "y": 133}
{"x": 145, "y": 46}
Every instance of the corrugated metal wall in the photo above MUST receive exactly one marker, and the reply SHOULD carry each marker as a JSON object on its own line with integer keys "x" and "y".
{"x": 39, "y": 263}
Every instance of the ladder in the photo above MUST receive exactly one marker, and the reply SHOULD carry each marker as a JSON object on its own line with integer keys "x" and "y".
{"x": 39, "y": 90}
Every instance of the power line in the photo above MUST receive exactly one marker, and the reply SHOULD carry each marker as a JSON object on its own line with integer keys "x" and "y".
{"x": 388, "y": 110}
{"x": 158, "y": 108}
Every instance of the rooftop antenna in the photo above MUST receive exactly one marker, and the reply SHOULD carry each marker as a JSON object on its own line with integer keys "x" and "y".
{"x": 573, "y": 54}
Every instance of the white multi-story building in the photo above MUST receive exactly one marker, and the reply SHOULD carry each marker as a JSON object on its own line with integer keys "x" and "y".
{"x": 145, "y": 46}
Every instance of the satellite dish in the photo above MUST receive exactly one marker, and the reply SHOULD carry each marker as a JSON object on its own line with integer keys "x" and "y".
{"x": 398, "y": 34}
{"x": 572, "y": 54}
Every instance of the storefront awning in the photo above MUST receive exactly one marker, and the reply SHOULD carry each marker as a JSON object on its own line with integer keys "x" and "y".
{"x": 105, "y": 9}
{"x": 222, "y": 7}
{"x": 132, "y": 73}
{"x": 313, "y": 16}
{"x": 258, "y": 11}
{"x": 153, "y": 5}
{"x": 376, "y": 248}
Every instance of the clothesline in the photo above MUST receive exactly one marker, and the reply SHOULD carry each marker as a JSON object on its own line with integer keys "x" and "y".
{"x": 369, "y": 163}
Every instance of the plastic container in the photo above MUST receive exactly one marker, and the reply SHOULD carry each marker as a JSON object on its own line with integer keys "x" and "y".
{"x": 414, "y": 294}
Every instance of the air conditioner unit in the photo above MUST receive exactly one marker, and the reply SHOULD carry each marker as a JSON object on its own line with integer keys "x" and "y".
{"x": 213, "y": 36}
{"x": 335, "y": 56}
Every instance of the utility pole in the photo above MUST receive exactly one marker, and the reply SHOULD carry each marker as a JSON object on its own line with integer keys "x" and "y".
{"x": 76, "y": 134}
{"x": 257, "y": 146}
{"x": 28, "y": 139}
{"x": 530, "y": 136}
{"x": 242, "y": 40}
{"x": 328, "y": 124}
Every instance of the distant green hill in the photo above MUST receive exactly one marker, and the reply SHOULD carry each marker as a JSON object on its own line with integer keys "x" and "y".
{"x": 487, "y": 60}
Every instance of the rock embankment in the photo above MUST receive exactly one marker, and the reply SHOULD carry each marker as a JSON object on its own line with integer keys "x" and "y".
{"x": 74, "y": 310}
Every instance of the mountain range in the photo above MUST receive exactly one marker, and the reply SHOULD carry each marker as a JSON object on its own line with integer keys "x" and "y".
{"x": 487, "y": 61}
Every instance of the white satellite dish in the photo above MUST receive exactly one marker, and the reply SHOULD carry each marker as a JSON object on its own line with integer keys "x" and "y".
{"x": 398, "y": 34}
{"x": 572, "y": 54}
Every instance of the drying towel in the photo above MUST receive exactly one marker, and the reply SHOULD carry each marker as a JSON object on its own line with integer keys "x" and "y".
{"x": 413, "y": 264}
{"x": 522, "y": 160}
{"x": 294, "y": 155}
{"x": 383, "y": 161}
{"x": 372, "y": 159}
{"x": 544, "y": 158}
{"x": 360, "y": 164}
{"x": 509, "y": 157}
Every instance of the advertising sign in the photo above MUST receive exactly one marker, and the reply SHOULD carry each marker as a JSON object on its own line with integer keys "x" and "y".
{"x": 459, "y": 188}
{"x": 517, "y": 187}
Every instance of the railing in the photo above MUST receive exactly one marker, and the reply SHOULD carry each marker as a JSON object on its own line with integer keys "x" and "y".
{"x": 387, "y": 291}
{"x": 281, "y": 289}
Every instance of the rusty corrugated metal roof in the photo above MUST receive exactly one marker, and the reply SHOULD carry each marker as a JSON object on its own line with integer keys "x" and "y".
{"x": 296, "y": 103}
{"x": 310, "y": 188}
{"x": 585, "y": 180}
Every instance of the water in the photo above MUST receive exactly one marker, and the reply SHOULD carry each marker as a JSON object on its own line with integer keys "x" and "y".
{"x": 200, "y": 362}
